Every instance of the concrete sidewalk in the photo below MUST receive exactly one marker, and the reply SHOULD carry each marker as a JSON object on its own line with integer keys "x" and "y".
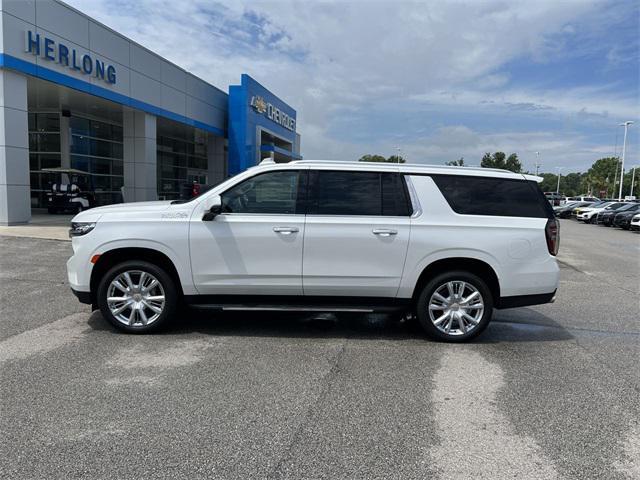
{"x": 52, "y": 227}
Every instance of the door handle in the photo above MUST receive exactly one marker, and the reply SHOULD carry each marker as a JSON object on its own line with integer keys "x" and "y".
{"x": 286, "y": 230}
{"x": 384, "y": 232}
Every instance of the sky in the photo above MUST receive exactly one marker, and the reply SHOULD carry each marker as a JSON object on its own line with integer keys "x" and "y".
{"x": 438, "y": 80}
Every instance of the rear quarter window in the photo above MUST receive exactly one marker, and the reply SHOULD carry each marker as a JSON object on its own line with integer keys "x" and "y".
{"x": 471, "y": 195}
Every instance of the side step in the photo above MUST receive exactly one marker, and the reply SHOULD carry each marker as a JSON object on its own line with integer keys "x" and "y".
{"x": 297, "y": 303}
{"x": 290, "y": 308}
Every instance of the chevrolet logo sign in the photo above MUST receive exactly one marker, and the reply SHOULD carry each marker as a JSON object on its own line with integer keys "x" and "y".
{"x": 258, "y": 104}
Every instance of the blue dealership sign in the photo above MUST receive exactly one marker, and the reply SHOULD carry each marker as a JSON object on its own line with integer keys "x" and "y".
{"x": 48, "y": 49}
{"x": 252, "y": 110}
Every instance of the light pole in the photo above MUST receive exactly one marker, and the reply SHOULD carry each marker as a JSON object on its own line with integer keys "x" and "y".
{"x": 633, "y": 178}
{"x": 399, "y": 150}
{"x": 538, "y": 164}
{"x": 558, "y": 187}
{"x": 624, "y": 147}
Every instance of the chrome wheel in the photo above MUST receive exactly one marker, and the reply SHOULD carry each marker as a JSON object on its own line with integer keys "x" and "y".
{"x": 135, "y": 298}
{"x": 456, "y": 308}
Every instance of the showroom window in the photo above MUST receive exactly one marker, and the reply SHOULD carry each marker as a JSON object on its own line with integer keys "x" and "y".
{"x": 44, "y": 152}
{"x": 182, "y": 159}
{"x": 96, "y": 147}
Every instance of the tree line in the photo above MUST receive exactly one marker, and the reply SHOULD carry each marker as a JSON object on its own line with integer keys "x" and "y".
{"x": 601, "y": 179}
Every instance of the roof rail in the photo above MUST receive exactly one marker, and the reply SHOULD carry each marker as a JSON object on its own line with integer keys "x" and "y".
{"x": 413, "y": 165}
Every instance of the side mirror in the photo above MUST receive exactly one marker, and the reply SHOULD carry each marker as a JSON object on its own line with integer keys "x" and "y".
{"x": 214, "y": 209}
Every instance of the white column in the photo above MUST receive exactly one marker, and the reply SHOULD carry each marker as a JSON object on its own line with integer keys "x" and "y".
{"x": 216, "y": 161}
{"x": 140, "y": 156}
{"x": 15, "y": 199}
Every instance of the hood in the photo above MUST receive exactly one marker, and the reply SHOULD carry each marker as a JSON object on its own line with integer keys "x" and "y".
{"x": 93, "y": 214}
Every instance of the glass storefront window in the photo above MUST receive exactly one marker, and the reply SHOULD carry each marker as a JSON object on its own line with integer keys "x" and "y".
{"x": 44, "y": 142}
{"x": 96, "y": 147}
{"x": 182, "y": 159}
{"x": 44, "y": 152}
{"x": 44, "y": 122}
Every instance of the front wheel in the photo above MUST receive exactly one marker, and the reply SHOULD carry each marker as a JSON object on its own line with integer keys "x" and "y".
{"x": 137, "y": 297}
{"x": 455, "y": 306}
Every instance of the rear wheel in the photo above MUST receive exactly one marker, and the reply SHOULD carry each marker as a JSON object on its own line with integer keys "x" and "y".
{"x": 455, "y": 306}
{"x": 137, "y": 297}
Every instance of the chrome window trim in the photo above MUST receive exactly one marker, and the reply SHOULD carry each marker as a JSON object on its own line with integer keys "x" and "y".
{"x": 413, "y": 196}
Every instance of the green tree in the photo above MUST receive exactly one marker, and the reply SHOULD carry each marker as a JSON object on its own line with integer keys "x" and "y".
{"x": 395, "y": 159}
{"x": 456, "y": 163}
{"x": 500, "y": 160}
{"x": 570, "y": 184}
{"x": 549, "y": 182}
{"x": 372, "y": 158}
{"x": 600, "y": 177}
{"x": 380, "y": 158}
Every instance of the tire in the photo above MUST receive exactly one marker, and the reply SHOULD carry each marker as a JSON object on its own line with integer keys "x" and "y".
{"x": 52, "y": 211}
{"x": 480, "y": 315}
{"x": 146, "y": 303}
{"x": 79, "y": 208}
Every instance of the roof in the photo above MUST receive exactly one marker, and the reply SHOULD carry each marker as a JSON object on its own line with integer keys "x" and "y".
{"x": 415, "y": 168}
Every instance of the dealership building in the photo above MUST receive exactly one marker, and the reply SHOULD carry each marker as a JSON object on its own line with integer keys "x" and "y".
{"x": 74, "y": 94}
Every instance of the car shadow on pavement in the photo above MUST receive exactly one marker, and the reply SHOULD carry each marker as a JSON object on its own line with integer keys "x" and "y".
{"x": 524, "y": 326}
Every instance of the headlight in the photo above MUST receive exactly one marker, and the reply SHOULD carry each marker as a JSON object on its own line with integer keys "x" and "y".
{"x": 81, "y": 228}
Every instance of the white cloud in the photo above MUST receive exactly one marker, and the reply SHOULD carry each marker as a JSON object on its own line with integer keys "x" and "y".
{"x": 331, "y": 58}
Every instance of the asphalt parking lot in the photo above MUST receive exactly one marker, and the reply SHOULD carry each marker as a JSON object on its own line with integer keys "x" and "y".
{"x": 546, "y": 392}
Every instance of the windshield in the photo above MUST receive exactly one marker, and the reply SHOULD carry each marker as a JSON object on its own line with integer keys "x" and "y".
{"x": 630, "y": 206}
{"x": 615, "y": 206}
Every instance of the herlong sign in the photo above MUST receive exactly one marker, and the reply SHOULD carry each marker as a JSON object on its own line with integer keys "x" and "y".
{"x": 48, "y": 49}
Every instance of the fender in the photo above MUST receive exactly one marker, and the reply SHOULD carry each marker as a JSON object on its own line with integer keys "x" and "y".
{"x": 182, "y": 266}
{"x": 410, "y": 278}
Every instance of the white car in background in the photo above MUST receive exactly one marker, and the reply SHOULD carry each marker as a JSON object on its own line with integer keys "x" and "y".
{"x": 583, "y": 199}
{"x": 635, "y": 222}
{"x": 587, "y": 215}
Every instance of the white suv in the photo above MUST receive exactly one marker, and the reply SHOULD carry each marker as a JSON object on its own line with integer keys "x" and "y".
{"x": 450, "y": 243}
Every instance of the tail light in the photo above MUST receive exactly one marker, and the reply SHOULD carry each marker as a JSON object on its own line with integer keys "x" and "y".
{"x": 552, "y": 233}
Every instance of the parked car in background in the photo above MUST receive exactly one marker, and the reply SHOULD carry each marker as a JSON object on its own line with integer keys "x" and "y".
{"x": 450, "y": 244}
{"x": 623, "y": 218}
{"x": 606, "y": 217}
{"x": 635, "y": 223}
{"x": 583, "y": 199}
{"x": 588, "y": 214}
{"x": 567, "y": 209}
{"x": 602, "y": 203}
{"x": 555, "y": 199}
{"x": 71, "y": 190}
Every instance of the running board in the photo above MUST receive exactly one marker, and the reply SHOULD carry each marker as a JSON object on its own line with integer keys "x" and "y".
{"x": 288, "y": 308}
{"x": 279, "y": 303}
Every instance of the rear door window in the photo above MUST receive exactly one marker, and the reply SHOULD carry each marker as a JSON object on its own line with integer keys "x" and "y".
{"x": 473, "y": 195}
{"x": 357, "y": 193}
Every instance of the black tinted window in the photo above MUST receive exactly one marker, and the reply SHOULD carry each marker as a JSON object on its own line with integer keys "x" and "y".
{"x": 493, "y": 196}
{"x": 347, "y": 193}
{"x": 394, "y": 197}
{"x": 357, "y": 193}
{"x": 273, "y": 192}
